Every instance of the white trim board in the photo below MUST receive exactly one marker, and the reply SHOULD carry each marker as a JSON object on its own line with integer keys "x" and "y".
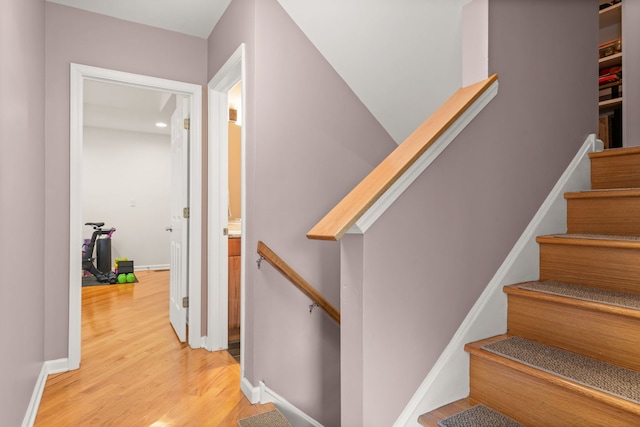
{"x": 263, "y": 394}
{"x": 80, "y": 73}
{"x": 48, "y": 367}
{"x": 413, "y": 172}
{"x": 448, "y": 380}
{"x": 252, "y": 393}
{"x": 295, "y": 416}
{"x": 232, "y": 72}
{"x": 154, "y": 267}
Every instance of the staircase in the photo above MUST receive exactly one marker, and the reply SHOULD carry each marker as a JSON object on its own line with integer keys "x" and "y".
{"x": 571, "y": 355}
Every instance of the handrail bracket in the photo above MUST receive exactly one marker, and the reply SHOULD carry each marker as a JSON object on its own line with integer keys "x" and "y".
{"x": 312, "y": 306}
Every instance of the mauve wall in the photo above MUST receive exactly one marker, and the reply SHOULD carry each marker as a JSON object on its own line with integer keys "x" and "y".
{"x": 631, "y": 73}
{"x": 76, "y": 36}
{"x": 429, "y": 257}
{"x": 21, "y": 204}
{"x": 309, "y": 141}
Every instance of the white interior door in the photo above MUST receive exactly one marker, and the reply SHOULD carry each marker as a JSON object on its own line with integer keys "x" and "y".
{"x": 179, "y": 217}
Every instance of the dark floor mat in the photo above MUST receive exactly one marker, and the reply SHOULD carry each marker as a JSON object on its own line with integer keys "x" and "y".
{"x": 92, "y": 281}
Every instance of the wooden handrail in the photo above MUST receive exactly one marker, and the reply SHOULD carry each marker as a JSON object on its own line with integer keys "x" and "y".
{"x": 306, "y": 288}
{"x": 345, "y": 214}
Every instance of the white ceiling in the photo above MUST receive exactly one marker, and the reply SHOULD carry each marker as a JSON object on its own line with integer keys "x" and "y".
{"x": 402, "y": 58}
{"x": 122, "y": 107}
{"x": 114, "y": 106}
{"x": 193, "y": 17}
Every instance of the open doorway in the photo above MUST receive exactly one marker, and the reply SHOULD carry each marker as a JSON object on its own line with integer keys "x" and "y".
{"x": 192, "y": 96}
{"x": 234, "y": 144}
{"x": 126, "y": 173}
{"x": 135, "y": 164}
{"x": 227, "y": 229}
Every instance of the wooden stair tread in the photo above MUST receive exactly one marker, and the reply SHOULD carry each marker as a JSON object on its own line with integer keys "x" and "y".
{"x": 614, "y": 152}
{"x": 431, "y": 419}
{"x": 602, "y": 240}
{"x": 476, "y": 349}
{"x": 594, "y": 302}
{"x": 603, "y": 193}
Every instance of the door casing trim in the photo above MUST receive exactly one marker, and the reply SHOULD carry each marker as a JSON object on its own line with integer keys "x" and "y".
{"x": 80, "y": 73}
{"x": 229, "y": 74}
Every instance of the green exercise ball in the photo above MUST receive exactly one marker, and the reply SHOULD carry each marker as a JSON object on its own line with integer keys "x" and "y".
{"x": 131, "y": 278}
{"x": 122, "y": 278}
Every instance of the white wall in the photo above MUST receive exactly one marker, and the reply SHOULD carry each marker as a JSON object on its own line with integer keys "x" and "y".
{"x": 121, "y": 169}
{"x": 402, "y": 58}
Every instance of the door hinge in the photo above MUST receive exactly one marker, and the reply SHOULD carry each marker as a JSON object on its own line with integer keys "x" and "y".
{"x": 185, "y": 302}
{"x": 185, "y": 212}
{"x": 187, "y": 124}
{"x": 225, "y": 231}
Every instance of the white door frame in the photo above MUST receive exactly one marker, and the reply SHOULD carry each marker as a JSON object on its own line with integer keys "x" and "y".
{"x": 229, "y": 74}
{"x": 80, "y": 73}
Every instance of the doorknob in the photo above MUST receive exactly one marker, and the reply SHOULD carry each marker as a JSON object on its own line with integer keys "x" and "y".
{"x": 169, "y": 229}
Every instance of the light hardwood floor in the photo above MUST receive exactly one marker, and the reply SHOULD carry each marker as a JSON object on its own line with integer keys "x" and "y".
{"x": 135, "y": 372}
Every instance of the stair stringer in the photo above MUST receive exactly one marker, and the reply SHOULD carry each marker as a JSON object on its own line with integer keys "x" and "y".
{"x": 448, "y": 380}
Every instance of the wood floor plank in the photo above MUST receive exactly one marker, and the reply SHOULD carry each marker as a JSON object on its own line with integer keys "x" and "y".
{"x": 134, "y": 371}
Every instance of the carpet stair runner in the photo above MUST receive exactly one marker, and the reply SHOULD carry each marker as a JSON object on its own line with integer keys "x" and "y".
{"x": 273, "y": 418}
{"x": 571, "y": 355}
{"x": 478, "y": 414}
{"x": 594, "y": 322}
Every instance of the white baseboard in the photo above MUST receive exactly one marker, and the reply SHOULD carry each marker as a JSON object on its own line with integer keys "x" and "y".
{"x": 151, "y": 267}
{"x": 252, "y": 393}
{"x": 57, "y": 366}
{"x": 48, "y": 367}
{"x": 296, "y": 417}
{"x": 448, "y": 380}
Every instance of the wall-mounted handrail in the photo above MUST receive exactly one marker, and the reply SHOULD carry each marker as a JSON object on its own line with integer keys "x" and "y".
{"x": 355, "y": 204}
{"x": 278, "y": 263}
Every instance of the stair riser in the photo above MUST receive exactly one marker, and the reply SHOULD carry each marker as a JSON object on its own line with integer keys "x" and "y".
{"x": 598, "y": 267}
{"x": 615, "y": 172}
{"x": 604, "y": 215}
{"x": 609, "y": 337}
{"x": 532, "y": 401}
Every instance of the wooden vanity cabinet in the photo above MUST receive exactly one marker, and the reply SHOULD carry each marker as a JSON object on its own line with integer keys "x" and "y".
{"x": 234, "y": 289}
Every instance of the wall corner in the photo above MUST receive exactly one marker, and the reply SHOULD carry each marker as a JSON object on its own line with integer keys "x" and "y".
{"x": 475, "y": 41}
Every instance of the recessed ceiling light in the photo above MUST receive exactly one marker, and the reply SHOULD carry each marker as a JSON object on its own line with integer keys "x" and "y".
{"x": 161, "y": 124}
